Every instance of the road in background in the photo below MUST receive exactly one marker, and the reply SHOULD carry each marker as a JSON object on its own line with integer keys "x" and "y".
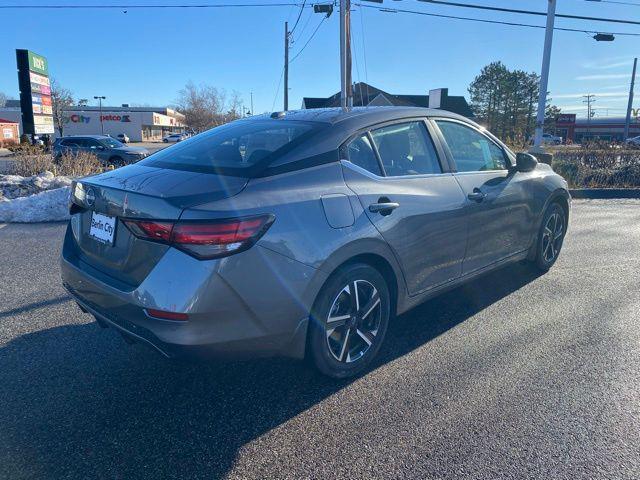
{"x": 512, "y": 376}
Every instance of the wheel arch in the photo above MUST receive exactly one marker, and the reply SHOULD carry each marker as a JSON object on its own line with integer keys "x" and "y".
{"x": 561, "y": 197}
{"x": 378, "y": 255}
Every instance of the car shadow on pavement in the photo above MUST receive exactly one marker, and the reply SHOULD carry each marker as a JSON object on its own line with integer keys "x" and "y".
{"x": 76, "y": 402}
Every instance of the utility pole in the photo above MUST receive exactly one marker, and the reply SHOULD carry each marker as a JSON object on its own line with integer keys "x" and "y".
{"x": 544, "y": 75}
{"x": 346, "y": 93}
{"x": 286, "y": 66}
{"x": 252, "y": 112}
{"x": 100, "y": 98}
{"x": 589, "y": 99}
{"x": 630, "y": 104}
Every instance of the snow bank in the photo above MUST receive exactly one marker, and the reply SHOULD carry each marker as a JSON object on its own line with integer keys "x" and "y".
{"x": 46, "y": 206}
{"x": 14, "y": 186}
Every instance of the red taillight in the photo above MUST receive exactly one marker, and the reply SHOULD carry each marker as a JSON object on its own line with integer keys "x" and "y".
{"x": 150, "y": 230}
{"x": 164, "y": 315}
{"x": 205, "y": 239}
{"x": 222, "y": 233}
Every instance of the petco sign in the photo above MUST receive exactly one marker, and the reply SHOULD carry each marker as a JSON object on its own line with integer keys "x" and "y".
{"x": 115, "y": 118}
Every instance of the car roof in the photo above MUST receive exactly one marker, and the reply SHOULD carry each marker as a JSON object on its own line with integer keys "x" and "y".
{"x": 365, "y": 114}
{"x": 97, "y": 137}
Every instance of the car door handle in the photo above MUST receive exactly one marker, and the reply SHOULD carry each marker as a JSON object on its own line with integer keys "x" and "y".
{"x": 476, "y": 195}
{"x": 384, "y": 207}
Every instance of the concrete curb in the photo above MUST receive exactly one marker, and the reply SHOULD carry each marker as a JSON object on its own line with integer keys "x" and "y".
{"x": 605, "y": 193}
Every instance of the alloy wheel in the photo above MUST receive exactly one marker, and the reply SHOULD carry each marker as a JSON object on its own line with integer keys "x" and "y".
{"x": 552, "y": 237}
{"x": 353, "y": 321}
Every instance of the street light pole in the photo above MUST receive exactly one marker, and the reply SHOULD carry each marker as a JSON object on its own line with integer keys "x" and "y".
{"x": 630, "y": 104}
{"x": 544, "y": 75}
{"x": 100, "y": 98}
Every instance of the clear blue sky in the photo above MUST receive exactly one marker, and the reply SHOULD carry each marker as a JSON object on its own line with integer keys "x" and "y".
{"x": 146, "y": 55}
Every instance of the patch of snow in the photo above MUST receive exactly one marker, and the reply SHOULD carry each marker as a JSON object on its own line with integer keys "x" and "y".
{"x": 46, "y": 206}
{"x": 14, "y": 186}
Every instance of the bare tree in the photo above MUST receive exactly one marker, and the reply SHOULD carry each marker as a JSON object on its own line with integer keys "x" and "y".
{"x": 61, "y": 99}
{"x": 3, "y": 99}
{"x": 205, "y": 107}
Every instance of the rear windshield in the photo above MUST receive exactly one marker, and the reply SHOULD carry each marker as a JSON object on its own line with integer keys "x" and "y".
{"x": 237, "y": 148}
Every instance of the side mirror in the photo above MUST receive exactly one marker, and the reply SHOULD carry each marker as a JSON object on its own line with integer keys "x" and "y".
{"x": 525, "y": 162}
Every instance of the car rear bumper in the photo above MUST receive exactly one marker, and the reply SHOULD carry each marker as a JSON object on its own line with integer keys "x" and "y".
{"x": 254, "y": 305}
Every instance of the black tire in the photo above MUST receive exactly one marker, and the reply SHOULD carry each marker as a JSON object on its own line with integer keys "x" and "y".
{"x": 548, "y": 246}
{"x": 165, "y": 140}
{"x": 116, "y": 161}
{"x": 363, "y": 331}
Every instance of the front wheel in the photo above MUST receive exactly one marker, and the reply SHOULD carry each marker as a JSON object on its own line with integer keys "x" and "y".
{"x": 349, "y": 321}
{"x": 550, "y": 237}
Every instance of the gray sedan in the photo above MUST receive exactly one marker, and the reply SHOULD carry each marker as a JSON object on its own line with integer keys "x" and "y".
{"x": 108, "y": 150}
{"x": 304, "y": 233}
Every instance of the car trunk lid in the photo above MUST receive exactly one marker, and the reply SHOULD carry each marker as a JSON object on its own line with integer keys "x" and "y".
{"x": 139, "y": 192}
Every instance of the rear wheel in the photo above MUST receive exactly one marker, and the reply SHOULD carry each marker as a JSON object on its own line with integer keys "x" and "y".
{"x": 349, "y": 321}
{"x": 551, "y": 236}
{"x": 116, "y": 161}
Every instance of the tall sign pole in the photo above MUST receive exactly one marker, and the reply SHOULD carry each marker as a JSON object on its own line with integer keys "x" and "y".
{"x": 346, "y": 95}
{"x": 544, "y": 75}
{"x": 630, "y": 104}
{"x": 36, "y": 104}
{"x": 286, "y": 66}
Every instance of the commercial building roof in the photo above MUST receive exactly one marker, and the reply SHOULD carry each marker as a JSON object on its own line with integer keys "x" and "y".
{"x": 368, "y": 95}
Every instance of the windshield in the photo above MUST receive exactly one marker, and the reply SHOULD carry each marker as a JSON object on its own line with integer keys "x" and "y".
{"x": 111, "y": 143}
{"x": 231, "y": 148}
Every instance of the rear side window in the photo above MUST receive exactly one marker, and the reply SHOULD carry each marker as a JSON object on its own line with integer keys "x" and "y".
{"x": 472, "y": 151}
{"x": 360, "y": 153}
{"x": 233, "y": 148}
{"x": 406, "y": 149}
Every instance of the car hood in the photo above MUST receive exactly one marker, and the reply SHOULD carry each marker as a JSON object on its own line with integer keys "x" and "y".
{"x": 133, "y": 150}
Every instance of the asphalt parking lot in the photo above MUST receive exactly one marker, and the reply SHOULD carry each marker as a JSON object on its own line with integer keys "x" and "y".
{"x": 512, "y": 376}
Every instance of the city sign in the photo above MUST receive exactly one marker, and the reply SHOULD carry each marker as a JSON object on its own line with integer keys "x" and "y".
{"x": 35, "y": 93}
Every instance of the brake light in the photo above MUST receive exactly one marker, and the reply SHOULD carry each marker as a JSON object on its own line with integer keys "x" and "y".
{"x": 151, "y": 230}
{"x": 205, "y": 239}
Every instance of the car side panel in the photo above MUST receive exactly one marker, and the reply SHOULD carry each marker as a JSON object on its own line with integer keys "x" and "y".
{"x": 301, "y": 230}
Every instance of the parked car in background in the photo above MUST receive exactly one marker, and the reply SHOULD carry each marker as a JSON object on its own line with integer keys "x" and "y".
{"x": 304, "y": 233}
{"x": 108, "y": 150}
{"x": 634, "y": 141}
{"x": 548, "y": 139}
{"x": 122, "y": 137}
{"x": 174, "y": 137}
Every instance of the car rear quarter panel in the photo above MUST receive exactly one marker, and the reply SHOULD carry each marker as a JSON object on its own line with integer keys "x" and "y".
{"x": 301, "y": 231}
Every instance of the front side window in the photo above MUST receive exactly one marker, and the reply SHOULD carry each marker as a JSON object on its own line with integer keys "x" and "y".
{"x": 360, "y": 153}
{"x": 406, "y": 149}
{"x": 234, "y": 147}
{"x": 472, "y": 151}
{"x": 110, "y": 142}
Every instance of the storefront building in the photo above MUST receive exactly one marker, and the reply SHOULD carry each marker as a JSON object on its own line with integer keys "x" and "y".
{"x": 8, "y": 132}
{"x": 579, "y": 130}
{"x": 138, "y": 123}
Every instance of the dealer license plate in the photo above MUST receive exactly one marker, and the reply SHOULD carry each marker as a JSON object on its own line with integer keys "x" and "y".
{"x": 103, "y": 228}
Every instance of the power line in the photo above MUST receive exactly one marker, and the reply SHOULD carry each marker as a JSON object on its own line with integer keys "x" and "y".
{"x": 142, "y": 6}
{"x": 309, "y": 40}
{"x": 298, "y": 19}
{"x": 275, "y": 98}
{"x": 614, "y": 1}
{"x": 482, "y": 20}
{"x": 527, "y": 12}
